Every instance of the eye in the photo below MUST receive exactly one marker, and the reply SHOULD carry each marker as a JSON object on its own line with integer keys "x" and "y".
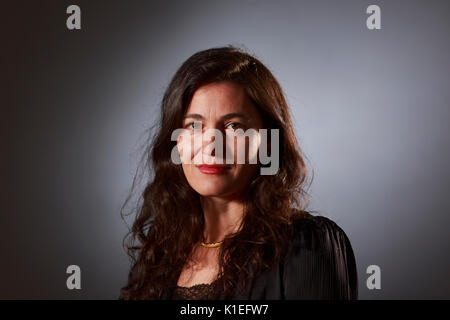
{"x": 194, "y": 125}
{"x": 235, "y": 126}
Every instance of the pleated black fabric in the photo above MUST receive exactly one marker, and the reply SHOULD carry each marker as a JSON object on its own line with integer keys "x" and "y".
{"x": 320, "y": 265}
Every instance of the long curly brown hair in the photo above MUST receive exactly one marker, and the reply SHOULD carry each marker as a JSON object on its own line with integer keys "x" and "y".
{"x": 169, "y": 221}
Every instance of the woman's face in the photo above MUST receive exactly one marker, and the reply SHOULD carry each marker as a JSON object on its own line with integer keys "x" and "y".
{"x": 225, "y": 107}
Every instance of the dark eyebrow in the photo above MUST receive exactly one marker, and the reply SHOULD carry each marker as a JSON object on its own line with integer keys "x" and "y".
{"x": 194, "y": 116}
{"x": 225, "y": 117}
{"x": 234, "y": 115}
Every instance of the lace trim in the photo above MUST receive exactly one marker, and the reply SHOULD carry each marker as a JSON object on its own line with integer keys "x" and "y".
{"x": 201, "y": 291}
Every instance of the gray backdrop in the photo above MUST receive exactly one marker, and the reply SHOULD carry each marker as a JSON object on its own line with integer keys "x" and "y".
{"x": 371, "y": 110}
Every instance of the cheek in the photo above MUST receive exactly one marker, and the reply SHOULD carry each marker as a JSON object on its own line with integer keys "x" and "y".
{"x": 246, "y": 169}
{"x": 244, "y": 150}
{"x": 189, "y": 173}
{"x": 188, "y": 146}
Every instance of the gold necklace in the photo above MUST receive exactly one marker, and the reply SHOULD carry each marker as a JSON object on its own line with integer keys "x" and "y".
{"x": 211, "y": 244}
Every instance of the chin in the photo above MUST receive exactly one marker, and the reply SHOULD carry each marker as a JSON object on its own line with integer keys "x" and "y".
{"x": 212, "y": 191}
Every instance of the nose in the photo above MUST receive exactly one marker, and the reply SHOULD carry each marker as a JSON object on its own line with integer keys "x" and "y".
{"x": 213, "y": 149}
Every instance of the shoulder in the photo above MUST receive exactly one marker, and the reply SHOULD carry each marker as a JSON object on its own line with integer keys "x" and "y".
{"x": 320, "y": 261}
{"x": 315, "y": 232}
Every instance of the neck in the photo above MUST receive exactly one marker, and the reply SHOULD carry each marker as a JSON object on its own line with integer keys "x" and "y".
{"x": 222, "y": 217}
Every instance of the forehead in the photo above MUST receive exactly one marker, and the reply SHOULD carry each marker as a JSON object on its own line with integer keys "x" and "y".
{"x": 220, "y": 98}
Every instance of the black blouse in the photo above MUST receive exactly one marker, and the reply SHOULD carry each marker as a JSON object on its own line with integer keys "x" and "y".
{"x": 320, "y": 264}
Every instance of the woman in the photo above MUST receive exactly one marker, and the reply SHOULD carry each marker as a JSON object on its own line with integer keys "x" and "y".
{"x": 225, "y": 231}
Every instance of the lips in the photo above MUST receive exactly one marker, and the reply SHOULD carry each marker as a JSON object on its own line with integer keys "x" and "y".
{"x": 213, "y": 168}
